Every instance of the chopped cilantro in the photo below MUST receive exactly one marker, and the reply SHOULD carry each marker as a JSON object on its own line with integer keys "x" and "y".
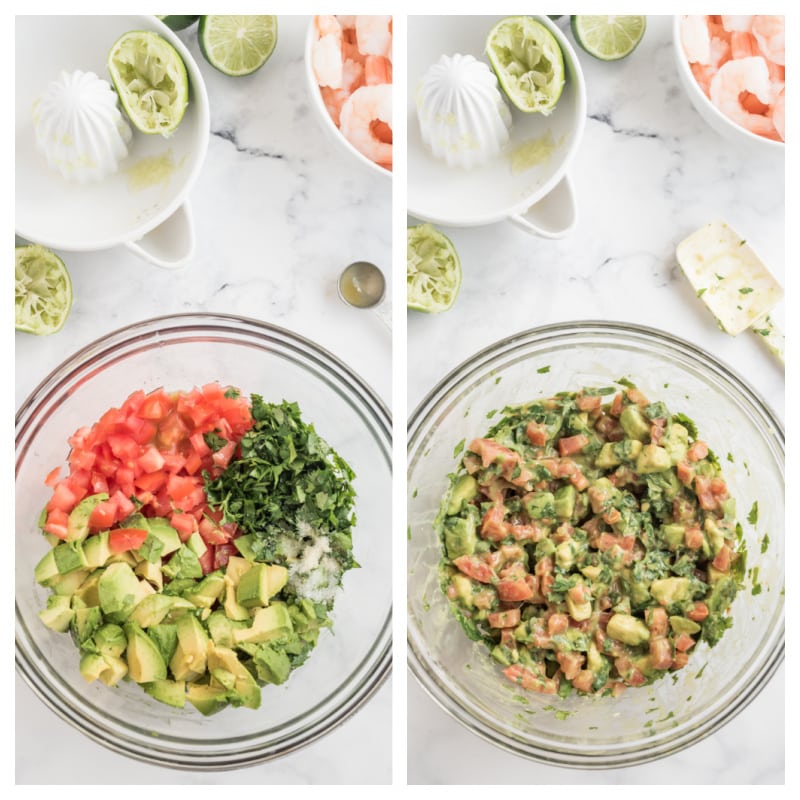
{"x": 459, "y": 448}
{"x": 752, "y": 516}
{"x": 701, "y": 292}
{"x": 543, "y": 370}
{"x": 746, "y": 290}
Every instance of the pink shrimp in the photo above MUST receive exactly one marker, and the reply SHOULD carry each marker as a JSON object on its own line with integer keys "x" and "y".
{"x": 377, "y": 70}
{"x": 734, "y": 23}
{"x": 695, "y": 39}
{"x": 366, "y": 122}
{"x": 744, "y": 45}
{"x": 770, "y": 35}
{"x": 326, "y": 54}
{"x": 778, "y": 116}
{"x": 735, "y": 78}
{"x": 374, "y": 35}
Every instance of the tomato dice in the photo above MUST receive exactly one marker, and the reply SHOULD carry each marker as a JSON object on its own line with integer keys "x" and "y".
{"x": 122, "y": 539}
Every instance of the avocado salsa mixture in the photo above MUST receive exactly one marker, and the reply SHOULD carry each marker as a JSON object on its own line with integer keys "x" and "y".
{"x": 590, "y": 542}
{"x": 208, "y": 564}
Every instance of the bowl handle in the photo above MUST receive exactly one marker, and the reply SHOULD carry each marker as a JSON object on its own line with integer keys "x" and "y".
{"x": 171, "y": 244}
{"x": 554, "y": 216}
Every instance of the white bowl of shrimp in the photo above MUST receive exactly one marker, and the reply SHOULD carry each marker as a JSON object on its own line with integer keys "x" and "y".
{"x": 349, "y": 71}
{"x": 733, "y": 69}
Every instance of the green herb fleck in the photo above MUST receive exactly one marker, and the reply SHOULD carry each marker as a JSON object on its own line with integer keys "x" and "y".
{"x": 701, "y": 292}
{"x": 746, "y": 290}
{"x": 498, "y": 379}
{"x": 764, "y": 543}
{"x": 543, "y": 370}
{"x": 743, "y": 243}
{"x": 752, "y": 516}
{"x": 762, "y": 331}
{"x": 491, "y": 413}
{"x": 719, "y": 277}
{"x": 702, "y": 669}
{"x": 730, "y": 457}
{"x": 625, "y": 382}
{"x": 459, "y": 448}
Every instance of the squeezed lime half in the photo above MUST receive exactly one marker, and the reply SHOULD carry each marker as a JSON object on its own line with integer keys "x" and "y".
{"x": 433, "y": 270}
{"x": 237, "y": 45}
{"x": 608, "y": 38}
{"x": 42, "y": 290}
{"x": 528, "y": 63}
{"x": 150, "y": 78}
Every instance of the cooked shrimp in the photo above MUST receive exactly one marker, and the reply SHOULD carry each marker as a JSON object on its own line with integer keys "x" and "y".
{"x": 326, "y": 52}
{"x": 377, "y": 70}
{"x": 734, "y": 23}
{"x": 770, "y": 35}
{"x": 695, "y": 39}
{"x": 374, "y": 35}
{"x": 366, "y": 122}
{"x": 747, "y": 75}
{"x": 778, "y": 116}
{"x": 744, "y": 45}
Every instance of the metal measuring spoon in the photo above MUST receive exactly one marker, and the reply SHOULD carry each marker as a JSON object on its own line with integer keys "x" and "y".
{"x": 362, "y": 285}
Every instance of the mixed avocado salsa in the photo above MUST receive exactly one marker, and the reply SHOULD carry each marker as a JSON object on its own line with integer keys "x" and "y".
{"x": 590, "y": 542}
{"x": 197, "y": 545}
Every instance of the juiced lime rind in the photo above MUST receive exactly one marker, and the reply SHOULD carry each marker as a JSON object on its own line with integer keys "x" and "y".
{"x": 42, "y": 290}
{"x": 433, "y": 270}
{"x": 151, "y": 81}
{"x": 237, "y": 45}
{"x": 608, "y": 38}
{"x": 178, "y": 22}
{"x": 528, "y": 62}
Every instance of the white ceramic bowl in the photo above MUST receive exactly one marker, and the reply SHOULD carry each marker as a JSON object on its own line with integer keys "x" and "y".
{"x": 150, "y": 217}
{"x": 325, "y": 120}
{"x": 538, "y": 199}
{"x": 724, "y": 126}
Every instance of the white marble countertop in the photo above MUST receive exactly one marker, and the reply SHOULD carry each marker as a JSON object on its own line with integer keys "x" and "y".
{"x": 649, "y": 171}
{"x": 278, "y": 211}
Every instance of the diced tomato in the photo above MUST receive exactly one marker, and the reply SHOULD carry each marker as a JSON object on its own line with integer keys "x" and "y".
{"x": 722, "y": 560}
{"x": 685, "y": 472}
{"x": 207, "y": 560}
{"x": 103, "y": 515}
{"x": 571, "y": 663}
{"x": 617, "y": 405}
{"x": 492, "y": 525}
{"x": 193, "y": 463}
{"x": 504, "y": 619}
{"x": 512, "y": 591}
{"x": 588, "y": 402}
{"x": 568, "y": 445}
{"x": 156, "y": 406}
{"x": 151, "y": 481}
{"x": 527, "y": 679}
{"x": 697, "y": 451}
{"x": 537, "y": 434}
{"x": 693, "y": 538}
{"x": 636, "y": 396}
{"x": 660, "y": 652}
{"x": 52, "y": 477}
{"x": 184, "y": 523}
{"x": 123, "y": 446}
{"x": 222, "y": 553}
{"x": 125, "y": 506}
{"x": 199, "y": 444}
{"x": 82, "y": 459}
{"x": 557, "y": 623}
{"x": 56, "y": 523}
{"x": 63, "y": 499}
{"x": 122, "y": 539}
{"x": 211, "y": 533}
{"x": 151, "y": 459}
{"x": 699, "y": 612}
{"x": 684, "y": 642}
{"x": 475, "y": 568}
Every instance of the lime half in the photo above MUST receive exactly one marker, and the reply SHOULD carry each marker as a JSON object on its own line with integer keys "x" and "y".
{"x": 42, "y": 290}
{"x": 608, "y": 38}
{"x": 150, "y": 78}
{"x": 433, "y": 270}
{"x": 177, "y": 22}
{"x": 528, "y": 63}
{"x": 237, "y": 45}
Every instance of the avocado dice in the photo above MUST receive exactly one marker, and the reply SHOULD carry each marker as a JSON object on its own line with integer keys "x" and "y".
{"x": 189, "y": 660}
{"x": 676, "y": 442}
{"x": 540, "y": 505}
{"x": 206, "y": 699}
{"x": 78, "y": 520}
{"x": 183, "y": 564}
{"x": 84, "y": 623}
{"x": 151, "y": 572}
{"x": 634, "y": 423}
{"x": 607, "y": 458}
{"x": 460, "y": 536}
{"x": 165, "y": 533}
{"x": 207, "y": 591}
{"x": 58, "y": 614}
{"x": 564, "y": 501}
{"x": 233, "y": 609}
{"x": 220, "y": 628}
{"x": 627, "y": 629}
{"x": 116, "y": 669}
{"x": 46, "y": 570}
{"x": 246, "y": 691}
{"x": 173, "y": 693}
{"x": 165, "y": 638}
{"x": 235, "y": 568}
{"x": 272, "y": 622}
{"x": 673, "y": 535}
{"x": 110, "y": 640}
{"x": 259, "y": 583}
{"x": 463, "y": 586}
{"x": 88, "y": 591}
{"x": 244, "y": 544}
{"x": 196, "y": 544}
{"x": 154, "y": 608}
{"x": 683, "y": 625}
{"x": 69, "y": 557}
{"x": 91, "y": 666}
{"x": 272, "y": 665}
{"x": 652, "y": 459}
{"x": 68, "y": 584}
{"x": 118, "y": 589}
{"x": 96, "y": 550}
{"x": 145, "y": 663}
{"x": 464, "y": 489}
{"x": 669, "y": 591}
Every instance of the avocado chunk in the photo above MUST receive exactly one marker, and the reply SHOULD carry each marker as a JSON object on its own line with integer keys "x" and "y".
{"x": 145, "y": 663}
{"x": 154, "y": 608}
{"x": 540, "y": 505}
{"x": 272, "y": 622}
{"x": 669, "y": 591}
{"x": 220, "y": 628}
{"x": 165, "y": 638}
{"x": 84, "y": 623}
{"x": 246, "y": 690}
{"x": 69, "y": 557}
{"x": 92, "y": 665}
{"x": 116, "y": 669}
{"x": 259, "y": 583}
{"x": 607, "y": 458}
{"x": 233, "y": 609}
{"x": 207, "y": 591}
{"x": 118, "y": 590}
{"x": 235, "y": 568}
{"x": 96, "y": 550}
{"x": 460, "y": 536}
{"x": 196, "y": 544}
{"x": 627, "y": 629}
{"x": 46, "y": 571}
{"x": 272, "y": 665}
{"x": 673, "y": 535}
{"x": 564, "y": 501}
{"x": 189, "y": 660}
{"x": 206, "y": 699}
{"x": 183, "y": 564}
{"x": 88, "y": 591}
{"x": 110, "y": 640}
{"x": 463, "y": 587}
{"x": 58, "y": 613}
{"x": 464, "y": 489}
{"x": 634, "y": 423}
{"x": 78, "y": 520}
{"x": 244, "y": 544}
{"x": 151, "y": 572}
{"x": 68, "y": 584}
{"x": 173, "y": 693}
{"x": 683, "y": 625}
{"x": 676, "y": 442}
{"x": 160, "y": 529}
{"x": 652, "y": 459}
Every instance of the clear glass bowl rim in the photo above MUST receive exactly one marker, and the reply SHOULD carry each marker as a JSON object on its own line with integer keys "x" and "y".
{"x": 468, "y": 370}
{"x": 380, "y": 654}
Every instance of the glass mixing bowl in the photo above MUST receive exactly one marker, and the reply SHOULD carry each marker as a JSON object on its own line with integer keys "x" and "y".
{"x": 346, "y": 667}
{"x": 652, "y": 721}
